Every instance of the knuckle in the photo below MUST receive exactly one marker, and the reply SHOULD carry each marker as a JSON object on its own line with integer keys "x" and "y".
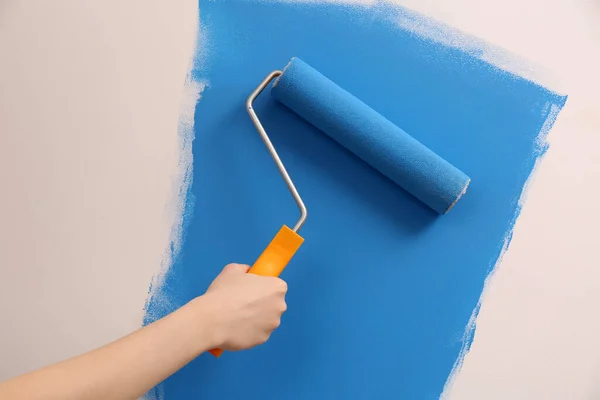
{"x": 283, "y": 287}
{"x": 264, "y": 337}
{"x": 235, "y": 267}
{"x": 229, "y": 267}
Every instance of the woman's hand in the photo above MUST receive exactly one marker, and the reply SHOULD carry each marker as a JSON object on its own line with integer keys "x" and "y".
{"x": 245, "y": 308}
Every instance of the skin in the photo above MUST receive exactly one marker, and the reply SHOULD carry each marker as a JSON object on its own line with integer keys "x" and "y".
{"x": 237, "y": 312}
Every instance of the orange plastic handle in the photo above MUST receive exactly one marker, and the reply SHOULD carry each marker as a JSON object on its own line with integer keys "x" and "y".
{"x": 274, "y": 258}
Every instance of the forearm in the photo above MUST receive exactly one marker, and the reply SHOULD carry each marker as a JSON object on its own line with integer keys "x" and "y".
{"x": 126, "y": 368}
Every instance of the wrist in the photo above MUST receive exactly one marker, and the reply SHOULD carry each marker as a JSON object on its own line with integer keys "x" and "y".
{"x": 206, "y": 323}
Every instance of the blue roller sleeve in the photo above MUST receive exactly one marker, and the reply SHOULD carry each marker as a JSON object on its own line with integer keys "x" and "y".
{"x": 370, "y": 136}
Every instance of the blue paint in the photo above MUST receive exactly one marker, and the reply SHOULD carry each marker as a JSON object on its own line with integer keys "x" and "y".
{"x": 382, "y": 288}
{"x": 370, "y": 135}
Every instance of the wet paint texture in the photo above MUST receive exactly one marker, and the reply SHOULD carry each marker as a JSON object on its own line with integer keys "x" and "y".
{"x": 383, "y": 287}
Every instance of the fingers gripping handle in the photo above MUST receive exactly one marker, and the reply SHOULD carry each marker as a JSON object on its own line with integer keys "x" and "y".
{"x": 274, "y": 258}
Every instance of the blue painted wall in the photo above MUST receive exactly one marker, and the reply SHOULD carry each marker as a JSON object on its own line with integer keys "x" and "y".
{"x": 381, "y": 291}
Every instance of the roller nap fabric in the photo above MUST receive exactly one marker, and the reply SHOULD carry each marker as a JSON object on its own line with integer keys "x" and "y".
{"x": 370, "y": 136}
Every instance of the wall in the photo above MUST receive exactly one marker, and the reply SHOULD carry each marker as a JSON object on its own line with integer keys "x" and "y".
{"x": 89, "y": 153}
{"x": 89, "y": 107}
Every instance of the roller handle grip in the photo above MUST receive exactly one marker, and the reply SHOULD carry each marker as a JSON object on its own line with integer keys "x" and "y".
{"x": 274, "y": 259}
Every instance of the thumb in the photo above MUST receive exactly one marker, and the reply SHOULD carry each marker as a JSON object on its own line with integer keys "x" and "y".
{"x": 235, "y": 269}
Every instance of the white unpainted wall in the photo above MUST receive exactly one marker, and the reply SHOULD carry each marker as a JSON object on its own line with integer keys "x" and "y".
{"x": 89, "y": 105}
{"x": 90, "y": 95}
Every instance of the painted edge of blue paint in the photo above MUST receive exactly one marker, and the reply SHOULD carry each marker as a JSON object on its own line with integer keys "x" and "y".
{"x": 469, "y": 45}
{"x": 421, "y": 26}
{"x": 469, "y": 332}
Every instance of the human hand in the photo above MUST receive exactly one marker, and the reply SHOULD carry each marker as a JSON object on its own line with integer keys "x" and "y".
{"x": 246, "y": 308}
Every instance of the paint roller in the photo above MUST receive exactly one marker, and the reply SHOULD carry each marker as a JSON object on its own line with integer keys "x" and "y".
{"x": 364, "y": 132}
